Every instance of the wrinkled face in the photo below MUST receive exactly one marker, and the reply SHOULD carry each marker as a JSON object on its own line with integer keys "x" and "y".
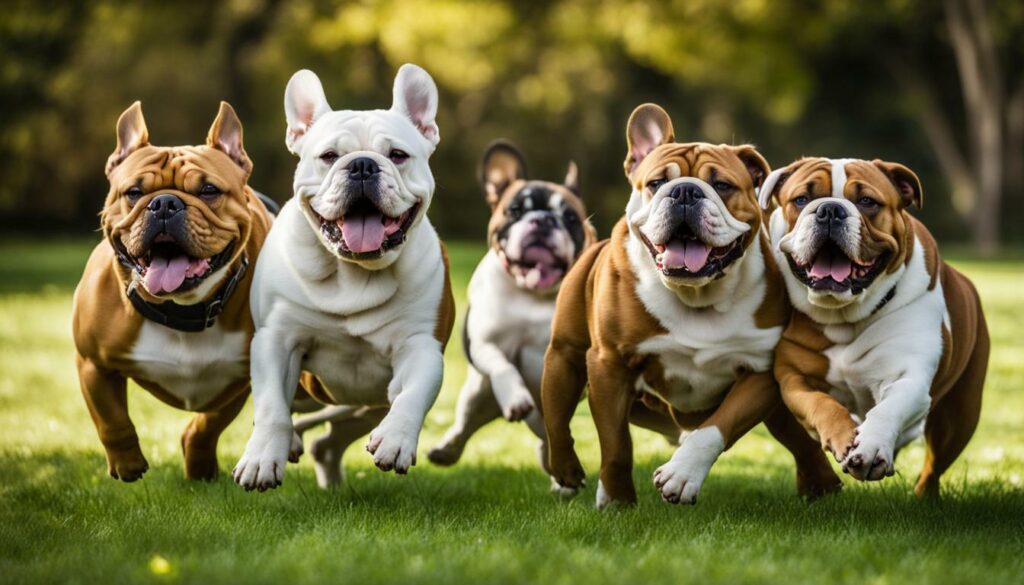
{"x": 842, "y": 224}
{"x": 363, "y": 179}
{"x": 538, "y": 229}
{"x": 694, "y": 208}
{"x": 177, "y": 217}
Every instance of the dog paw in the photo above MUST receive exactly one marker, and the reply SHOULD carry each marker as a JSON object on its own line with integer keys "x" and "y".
{"x": 519, "y": 406}
{"x": 567, "y": 472}
{"x": 562, "y": 491}
{"x": 839, "y": 440}
{"x": 393, "y": 445}
{"x": 871, "y": 458}
{"x": 444, "y": 455}
{"x": 262, "y": 465}
{"x": 127, "y": 466}
{"x": 678, "y": 482}
{"x": 295, "y": 450}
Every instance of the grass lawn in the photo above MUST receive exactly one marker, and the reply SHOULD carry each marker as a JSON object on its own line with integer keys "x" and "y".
{"x": 489, "y": 519}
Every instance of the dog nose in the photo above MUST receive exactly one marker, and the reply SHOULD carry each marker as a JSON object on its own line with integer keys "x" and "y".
{"x": 546, "y": 221}
{"x": 363, "y": 168}
{"x": 830, "y": 213}
{"x": 166, "y": 205}
{"x": 686, "y": 194}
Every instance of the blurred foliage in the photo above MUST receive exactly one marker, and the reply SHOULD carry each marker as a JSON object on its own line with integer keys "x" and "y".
{"x": 559, "y": 78}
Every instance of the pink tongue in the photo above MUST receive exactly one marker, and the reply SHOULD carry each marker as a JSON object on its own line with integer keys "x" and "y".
{"x": 363, "y": 233}
{"x": 828, "y": 264}
{"x": 689, "y": 253}
{"x": 538, "y": 255}
{"x": 165, "y": 275}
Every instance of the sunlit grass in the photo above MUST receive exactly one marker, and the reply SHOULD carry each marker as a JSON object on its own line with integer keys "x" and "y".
{"x": 488, "y": 519}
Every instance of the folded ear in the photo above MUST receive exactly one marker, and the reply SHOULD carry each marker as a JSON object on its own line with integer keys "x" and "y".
{"x": 132, "y": 135}
{"x": 226, "y": 135}
{"x": 415, "y": 97}
{"x": 772, "y": 184}
{"x": 572, "y": 178}
{"x": 756, "y": 165}
{"x": 649, "y": 126}
{"x": 304, "y": 102}
{"x": 502, "y": 164}
{"x": 906, "y": 182}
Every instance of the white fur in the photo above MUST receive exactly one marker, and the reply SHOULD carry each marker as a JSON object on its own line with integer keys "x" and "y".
{"x": 367, "y": 332}
{"x": 192, "y": 367}
{"x": 680, "y": 480}
{"x": 882, "y": 363}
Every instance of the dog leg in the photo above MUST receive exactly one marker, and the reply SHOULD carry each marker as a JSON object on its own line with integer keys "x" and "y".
{"x": 814, "y": 475}
{"x": 276, "y": 361}
{"x": 611, "y": 398}
{"x": 475, "y": 408}
{"x": 199, "y": 440}
{"x": 328, "y": 450}
{"x": 903, "y": 403}
{"x": 106, "y": 395}
{"x": 508, "y": 386}
{"x": 418, "y": 366}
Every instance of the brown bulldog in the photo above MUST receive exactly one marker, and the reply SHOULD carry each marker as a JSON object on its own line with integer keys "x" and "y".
{"x": 674, "y": 321}
{"x": 164, "y": 299}
{"x": 888, "y": 341}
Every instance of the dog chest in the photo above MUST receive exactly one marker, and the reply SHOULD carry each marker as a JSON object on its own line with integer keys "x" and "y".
{"x": 192, "y": 367}
{"x": 351, "y": 368}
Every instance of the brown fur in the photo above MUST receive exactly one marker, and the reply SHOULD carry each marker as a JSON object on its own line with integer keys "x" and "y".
{"x": 106, "y": 326}
{"x": 801, "y": 366}
{"x": 599, "y": 322}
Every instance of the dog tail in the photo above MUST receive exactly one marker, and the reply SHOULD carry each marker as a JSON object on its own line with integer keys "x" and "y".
{"x": 565, "y": 363}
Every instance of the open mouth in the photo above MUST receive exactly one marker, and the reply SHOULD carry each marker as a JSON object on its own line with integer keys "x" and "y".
{"x": 832, "y": 270}
{"x": 686, "y": 256}
{"x": 365, "y": 232}
{"x": 538, "y": 267}
{"x": 167, "y": 268}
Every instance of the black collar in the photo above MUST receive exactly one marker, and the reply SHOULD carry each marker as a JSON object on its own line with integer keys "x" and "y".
{"x": 885, "y": 300}
{"x": 189, "y": 318}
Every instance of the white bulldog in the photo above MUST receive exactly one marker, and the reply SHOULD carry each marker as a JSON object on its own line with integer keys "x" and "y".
{"x": 351, "y": 293}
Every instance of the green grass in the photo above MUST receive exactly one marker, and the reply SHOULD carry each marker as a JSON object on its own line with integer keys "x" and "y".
{"x": 489, "y": 519}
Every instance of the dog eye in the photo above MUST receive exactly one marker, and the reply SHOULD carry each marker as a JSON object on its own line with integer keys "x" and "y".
{"x": 329, "y": 157}
{"x": 722, "y": 186}
{"x": 398, "y": 156}
{"x": 133, "y": 194}
{"x": 867, "y": 202}
{"x": 209, "y": 190}
{"x": 801, "y": 200}
{"x": 655, "y": 184}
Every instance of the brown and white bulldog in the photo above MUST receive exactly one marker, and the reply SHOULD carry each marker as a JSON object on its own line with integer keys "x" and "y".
{"x": 674, "y": 321}
{"x": 537, "y": 231}
{"x": 164, "y": 299}
{"x": 888, "y": 341}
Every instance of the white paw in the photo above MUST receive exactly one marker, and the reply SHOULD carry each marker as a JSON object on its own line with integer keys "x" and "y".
{"x": 678, "y": 482}
{"x": 393, "y": 445}
{"x": 563, "y": 491}
{"x": 680, "y": 479}
{"x": 871, "y": 457}
{"x": 262, "y": 465}
{"x": 519, "y": 405}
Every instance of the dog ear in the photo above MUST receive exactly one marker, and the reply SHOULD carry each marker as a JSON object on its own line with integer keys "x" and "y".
{"x": 757, "y": 166}
{"x": 132, "y": 135}
{"x": 415, "y": 97}
{"x": 304, "y": 103}
{"x": 502, "y": 164}
{"x": 649, "y": 126}
{"x": 906, "y": 182}
{"x": 572, "y": 178}
{"x": 771, "y": 184}
{"x": 226, "y": 135}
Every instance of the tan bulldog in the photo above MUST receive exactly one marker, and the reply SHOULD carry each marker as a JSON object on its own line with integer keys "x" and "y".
{"x": 674, "y": 322}
{"x": 888, "y": 341}
{"x": 164, "y": 299}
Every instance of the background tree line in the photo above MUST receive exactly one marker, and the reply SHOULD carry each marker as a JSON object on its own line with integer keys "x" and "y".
{"x": 935, "y": 84}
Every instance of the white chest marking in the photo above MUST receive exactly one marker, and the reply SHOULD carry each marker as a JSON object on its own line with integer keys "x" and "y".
{"x": 193, "y": 367}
